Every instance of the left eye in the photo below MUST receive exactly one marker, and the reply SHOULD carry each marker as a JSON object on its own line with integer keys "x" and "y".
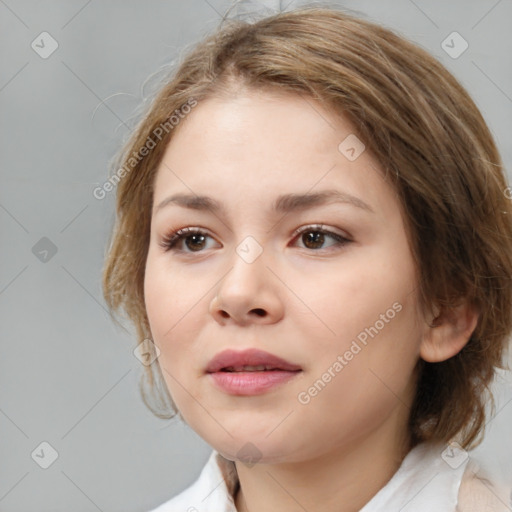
{"x": 195, "y": 239}
{"x": 314, "y": 237}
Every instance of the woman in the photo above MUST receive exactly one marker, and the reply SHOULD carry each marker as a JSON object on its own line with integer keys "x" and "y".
{"x": 313, "y": 229}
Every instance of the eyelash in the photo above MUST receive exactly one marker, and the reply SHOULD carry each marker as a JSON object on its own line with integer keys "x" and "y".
{"x": 170, "y": 240}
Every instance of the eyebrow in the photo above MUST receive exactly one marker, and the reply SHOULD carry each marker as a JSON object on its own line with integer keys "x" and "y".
{"x": 283, "y": 204}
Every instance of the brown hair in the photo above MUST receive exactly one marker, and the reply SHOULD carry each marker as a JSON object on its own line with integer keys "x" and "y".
{"x": 424, "y": 130}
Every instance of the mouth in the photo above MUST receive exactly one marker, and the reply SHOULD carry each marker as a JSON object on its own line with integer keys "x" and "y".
{"x": 258, "y": 368}
{"x": 249, "y": 360}
{"x": 250, "y": 372}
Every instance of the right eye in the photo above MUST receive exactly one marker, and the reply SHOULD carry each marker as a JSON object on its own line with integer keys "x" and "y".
{"x": 194, "y": 239}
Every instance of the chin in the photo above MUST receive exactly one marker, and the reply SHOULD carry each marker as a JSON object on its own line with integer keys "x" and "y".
{"x": 253, "y": 449}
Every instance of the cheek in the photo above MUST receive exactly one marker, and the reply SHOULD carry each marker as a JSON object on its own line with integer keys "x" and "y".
{"x": 351, "y": 296}
{"x": 167, "y": 295}
{"x": 177, "y": 311}
{"x": 167, "y": 301}
{"x": 361, "y": 384}
{"x": 366, "y": 309}
{"x": 169, "y": 304}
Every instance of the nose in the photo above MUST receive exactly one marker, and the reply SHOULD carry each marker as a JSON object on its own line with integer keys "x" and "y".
{"x": 248, "y": 294}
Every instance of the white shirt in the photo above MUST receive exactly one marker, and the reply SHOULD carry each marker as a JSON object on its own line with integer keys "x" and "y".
{"x": 429, "y": 479}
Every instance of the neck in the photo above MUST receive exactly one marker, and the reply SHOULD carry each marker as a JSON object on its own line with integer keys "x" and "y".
{"x": 342, "y": 480}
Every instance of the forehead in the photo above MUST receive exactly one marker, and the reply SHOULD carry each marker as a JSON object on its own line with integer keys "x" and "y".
{"x": 272, "y": 125}
{"x": 263, "y": 144}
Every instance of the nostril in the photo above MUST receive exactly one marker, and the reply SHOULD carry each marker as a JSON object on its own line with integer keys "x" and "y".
{"x": 259, "y": 311}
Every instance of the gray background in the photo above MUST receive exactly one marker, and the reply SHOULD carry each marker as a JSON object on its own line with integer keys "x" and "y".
{"x": 68, "y": 375}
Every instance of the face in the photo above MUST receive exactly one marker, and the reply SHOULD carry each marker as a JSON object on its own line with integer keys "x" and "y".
{"x": 326, "y": 282}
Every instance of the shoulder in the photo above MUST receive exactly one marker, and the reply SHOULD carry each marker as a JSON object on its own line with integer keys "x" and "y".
{"x": 212, "y": 491}
{"x": 479, "y": 491}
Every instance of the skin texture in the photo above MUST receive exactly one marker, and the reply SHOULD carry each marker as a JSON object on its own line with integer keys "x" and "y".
{"x": 304, "y": 303}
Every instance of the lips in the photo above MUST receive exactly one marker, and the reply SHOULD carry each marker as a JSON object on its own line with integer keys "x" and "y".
{"x": 250, "y": 360}
{"x": 250, "y": 372}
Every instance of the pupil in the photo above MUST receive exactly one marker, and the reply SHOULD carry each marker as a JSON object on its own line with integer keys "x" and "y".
{"x": 315, "y": 237}
{"x": 195, "y": 237}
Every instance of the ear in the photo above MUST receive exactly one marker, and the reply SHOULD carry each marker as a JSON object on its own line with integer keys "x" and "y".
{"x": 448, "y": 332}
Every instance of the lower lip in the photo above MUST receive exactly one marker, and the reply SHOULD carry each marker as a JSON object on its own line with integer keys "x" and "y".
{"x": 251, "y": 383}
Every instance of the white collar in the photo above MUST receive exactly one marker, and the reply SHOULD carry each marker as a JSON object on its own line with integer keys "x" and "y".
{"x": 425, "y": 481}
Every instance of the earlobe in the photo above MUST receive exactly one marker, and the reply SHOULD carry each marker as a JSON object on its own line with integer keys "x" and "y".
{"x": 448, "y": 333}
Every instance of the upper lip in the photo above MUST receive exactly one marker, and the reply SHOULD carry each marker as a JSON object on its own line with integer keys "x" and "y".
{"x": 249, "y": 357}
